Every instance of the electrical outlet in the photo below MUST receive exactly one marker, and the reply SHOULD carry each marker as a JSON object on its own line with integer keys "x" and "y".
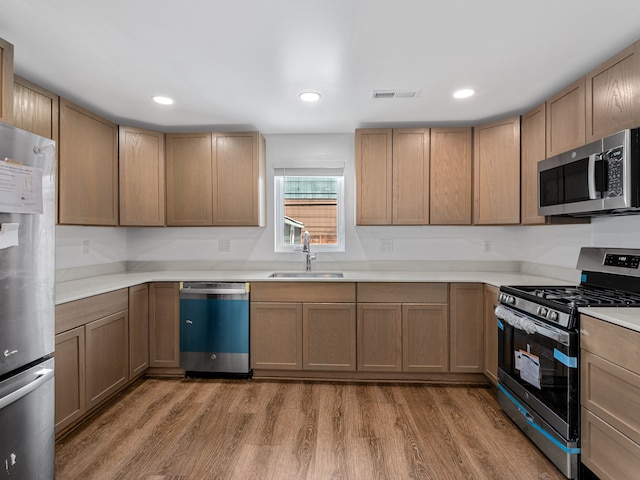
{"x": 487, "y": 246}
{"x": 386, "y": 246}
{"x": 85, "y": 247}
{"x": 224, "y": 246}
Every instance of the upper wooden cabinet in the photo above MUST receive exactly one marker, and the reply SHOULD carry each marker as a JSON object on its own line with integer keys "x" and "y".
{"x": 613, "y": 95}
{"x": 88, "y": 167}
{"x": 411, "y": 151}
{"x": 533, "y": 149}
{"x": 451, "y": 179}
{"x": 496, "y": 163}
{"x": 142, "y": 177}
{"x": 374, "y": 180}
{"x": 392, "y": 176}
{"x": 6, "y": 81}
{"x": 565, "y": 113}
{"x": 35, "y": 109}
{"x": 216, "y": 179}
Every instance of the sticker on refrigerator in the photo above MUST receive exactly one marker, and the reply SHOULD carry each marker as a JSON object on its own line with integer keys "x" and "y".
{"x": 529, "y": 366}
{"x": 20, "y": 188}
{"x": 9, "y": 235}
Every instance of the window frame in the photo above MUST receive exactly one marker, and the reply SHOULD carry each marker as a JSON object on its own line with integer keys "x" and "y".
{"x": 278, "y": 183}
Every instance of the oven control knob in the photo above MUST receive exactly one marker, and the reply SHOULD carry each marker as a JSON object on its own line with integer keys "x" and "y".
{"x": 553, "y": 316}
{"x": 542, "y": 311}
{"x": 512, "y": 300}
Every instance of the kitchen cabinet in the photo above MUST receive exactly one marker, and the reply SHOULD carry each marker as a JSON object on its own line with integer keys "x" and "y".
{"x": 35, "y": 109}
{"x": 6, "y": 81}
{"x": 491, "y": 333}
{"x": 392, "y": 176}
{"x": 374, "y": 176}
{"x": 466, "y": 327}
{"x": 451, "y": 176}
{"x": 610, "y": 396}
{"x": 613, "y": 95}
{"x": 164, "y": 325}
{"x": 403, "y": 327}
{"x": 533, "y": 149}
{"x": 565, "y": 114}
{"x": 70, "y": 388}
{"x": 107, "y": 357}
{"x": 302, "y": 326}
{"x": 142, "y": 177}
{"x": 92, "y": 354}
{"x": 496, "y": 171}
{"x": 88, "y": 168}
{"x": 138, "y": 330}
{"x": 216, "y": 179}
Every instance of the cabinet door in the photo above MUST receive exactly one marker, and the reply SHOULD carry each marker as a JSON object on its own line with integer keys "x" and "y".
{"x": 138, "y": 330}
{"x": 374, "y": 178}
{"x": 496, "y": 160}
{"x": 490, "y": 334}
{"x": 189, "y": 179}
{"x": 35, "y": 109}
{"x": 88, "y": 168}
{"x": 533, "y": 146}
{"x": 69, "y": 377}
{"x": 107, "y": 355}
{"x": 566, "y": 119}
{"x": 164, "y": 325}
{"x": 425, "y": 338}
{"x": 6, "y": 81}
{"x": 238, "y": 179}
{"x": 380, "y": 337}
{"x": 466, "y": 327}
{"x": 141, "y": 159}
{"x": 613, "y": 95}
{"x": 411, "y": 176}
{"x": 329, "y": 336}
{"x": 276, "y": 335}
{"x": 450, "y": 179}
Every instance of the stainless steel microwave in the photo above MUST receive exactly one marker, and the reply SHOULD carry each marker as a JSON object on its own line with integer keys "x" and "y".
{"x": 600, "y": 178}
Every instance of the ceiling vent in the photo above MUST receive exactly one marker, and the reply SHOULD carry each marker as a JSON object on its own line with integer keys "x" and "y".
{"x": 380, "y": 94}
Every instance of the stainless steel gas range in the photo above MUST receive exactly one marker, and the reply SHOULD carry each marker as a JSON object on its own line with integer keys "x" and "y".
{"x": 538, "y": 348}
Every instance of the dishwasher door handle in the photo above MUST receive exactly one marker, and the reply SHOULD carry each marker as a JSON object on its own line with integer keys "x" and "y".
{"x": 216, "y": 291}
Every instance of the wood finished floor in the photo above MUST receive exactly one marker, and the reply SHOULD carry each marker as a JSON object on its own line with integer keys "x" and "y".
{"x": 199, "y": 429}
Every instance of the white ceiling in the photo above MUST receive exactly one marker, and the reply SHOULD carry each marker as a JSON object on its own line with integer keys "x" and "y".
{"x": 238, "y": 64}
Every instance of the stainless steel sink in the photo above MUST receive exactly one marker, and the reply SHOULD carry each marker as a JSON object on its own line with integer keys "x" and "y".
{"x": 306, "y": 275}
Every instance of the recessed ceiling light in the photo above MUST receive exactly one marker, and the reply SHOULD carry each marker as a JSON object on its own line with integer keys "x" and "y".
{"x": 464, "y": 93}
{"x": 309, "y": 96}
{"x": 163, "y": 100}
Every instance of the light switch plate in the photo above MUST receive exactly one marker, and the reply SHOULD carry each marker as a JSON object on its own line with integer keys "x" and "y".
{"x": 224, "y": 246}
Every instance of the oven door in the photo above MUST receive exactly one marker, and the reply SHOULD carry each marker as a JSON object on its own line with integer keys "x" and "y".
{"x": 539, "y": 363}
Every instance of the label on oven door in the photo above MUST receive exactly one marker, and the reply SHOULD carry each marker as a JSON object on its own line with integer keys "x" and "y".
{"x": 529, "y": 366}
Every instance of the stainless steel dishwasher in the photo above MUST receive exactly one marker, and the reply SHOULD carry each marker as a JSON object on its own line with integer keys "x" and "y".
{"x": 214, "y": 328}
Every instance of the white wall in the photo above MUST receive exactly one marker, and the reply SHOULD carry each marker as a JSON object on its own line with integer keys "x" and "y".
{"x": 551, "y": 245}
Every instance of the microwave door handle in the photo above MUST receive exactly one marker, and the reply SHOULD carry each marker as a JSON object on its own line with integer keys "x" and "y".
{"x": 591, "y": 176}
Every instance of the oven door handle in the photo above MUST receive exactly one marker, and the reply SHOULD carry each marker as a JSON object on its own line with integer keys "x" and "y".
{"x": 529, "y": 325}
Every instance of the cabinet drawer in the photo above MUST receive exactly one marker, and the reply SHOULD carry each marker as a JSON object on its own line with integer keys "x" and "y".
{"x": 607, "y": 452}
{"x": 617, "y": 344}
{"x": 73, "y": 314}
{"x": 400, "y": 292}
{"x": 612, "y": 393}
{"x": 314, "y": 292}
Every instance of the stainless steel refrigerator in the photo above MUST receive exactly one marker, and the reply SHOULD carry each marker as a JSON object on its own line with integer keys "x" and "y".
{"x": 27, "y": 284}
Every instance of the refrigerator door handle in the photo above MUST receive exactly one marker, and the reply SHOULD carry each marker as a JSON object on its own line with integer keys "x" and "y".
{"x": 42, "y": 376}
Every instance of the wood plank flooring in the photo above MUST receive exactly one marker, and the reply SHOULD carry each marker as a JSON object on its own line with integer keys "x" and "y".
{"x": 203, "y": 429}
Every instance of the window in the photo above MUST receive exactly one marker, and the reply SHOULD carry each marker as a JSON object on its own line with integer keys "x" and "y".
{"x": 309, "y": 199}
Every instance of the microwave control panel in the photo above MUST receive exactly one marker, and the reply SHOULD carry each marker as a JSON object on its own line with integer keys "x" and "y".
{"x": 614, "y": 160}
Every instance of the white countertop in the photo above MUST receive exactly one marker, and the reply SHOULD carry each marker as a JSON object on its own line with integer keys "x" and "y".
{"x": 87, "y": 287}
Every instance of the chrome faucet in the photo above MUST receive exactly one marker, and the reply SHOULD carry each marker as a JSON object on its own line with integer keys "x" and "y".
{"x": 306, "y": 248}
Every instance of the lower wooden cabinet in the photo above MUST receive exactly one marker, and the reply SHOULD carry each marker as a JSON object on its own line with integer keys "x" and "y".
{"x": 491, "y": 333}
{"x": 164, "y": 324}
{"x": 107, "y": 356}
{"x": 329, "y": 336}
{"x": 610, "y": 399}
{"x": 425, "y": 337}
{"x": 138, "y": 330}
{"x": 69, "y": 378}
{"x": 276, "y": 335}
{"x": 466, "y": 327}
{"x": 380, "y": 337}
